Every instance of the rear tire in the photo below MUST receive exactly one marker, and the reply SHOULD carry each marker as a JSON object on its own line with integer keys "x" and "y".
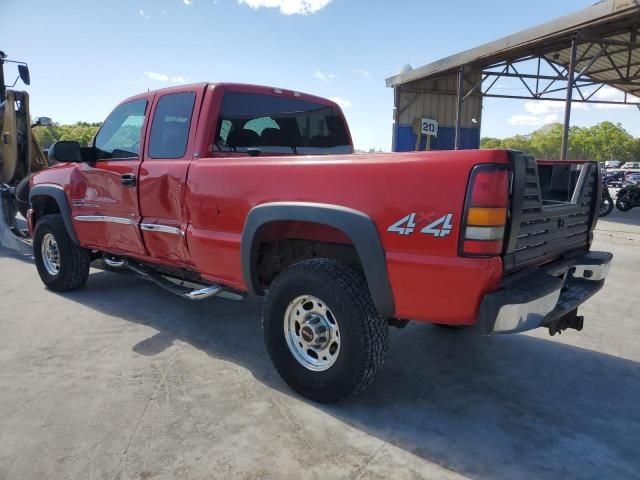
{"x": 322, "y": 331}
{"x": 606, "y": 206}
{"x": 61, "y": 264}
{"x": 622, "y": 205}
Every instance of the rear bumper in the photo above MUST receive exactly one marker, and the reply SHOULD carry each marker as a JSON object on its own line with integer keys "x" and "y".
{"x": 537, "y": 298}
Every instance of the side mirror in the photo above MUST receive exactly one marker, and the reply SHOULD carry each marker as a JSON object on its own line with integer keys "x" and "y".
{"x": 23, "y": 71}
{"x": 65, "y": 151}
{"x": 42, "y": 122}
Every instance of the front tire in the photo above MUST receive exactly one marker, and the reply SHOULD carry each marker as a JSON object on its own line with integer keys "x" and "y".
{"x": 61, "y": 264}
{"x": 322, "y": 331}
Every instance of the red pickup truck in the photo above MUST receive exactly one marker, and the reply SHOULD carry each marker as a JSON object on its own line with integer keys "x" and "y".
{"x": 228, "y": 190}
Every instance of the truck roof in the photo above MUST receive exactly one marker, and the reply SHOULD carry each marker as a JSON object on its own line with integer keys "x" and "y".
{"x": 236, "y": 87}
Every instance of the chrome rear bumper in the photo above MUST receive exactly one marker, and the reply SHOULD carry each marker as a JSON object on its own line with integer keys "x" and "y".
{"x": 538, "y": 297}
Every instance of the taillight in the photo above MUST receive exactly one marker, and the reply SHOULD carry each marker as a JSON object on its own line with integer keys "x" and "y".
{"x": 485, "y": 211}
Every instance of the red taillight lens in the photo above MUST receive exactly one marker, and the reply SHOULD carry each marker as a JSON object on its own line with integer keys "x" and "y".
{"x": 485, "y": 212}
{"x": 490, "y": 188}
{"x": 480, "y": 248}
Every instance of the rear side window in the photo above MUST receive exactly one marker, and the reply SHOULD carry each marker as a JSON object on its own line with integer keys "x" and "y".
{"x": 279, "y": 124}
{"x": 170, "y": 126}
{"x": 119, "y": 136}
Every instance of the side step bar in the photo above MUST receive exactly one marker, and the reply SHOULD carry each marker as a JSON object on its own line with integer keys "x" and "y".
{"x": 162, "y": 282}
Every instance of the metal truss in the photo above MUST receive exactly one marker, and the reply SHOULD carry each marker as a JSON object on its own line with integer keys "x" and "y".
{"x": 547, "y": 87}
{"x": 543, "y": 77}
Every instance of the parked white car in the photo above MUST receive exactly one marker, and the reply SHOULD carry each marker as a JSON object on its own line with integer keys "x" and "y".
{"x": 631, "y": 166}
{"x": 611, "y": 164}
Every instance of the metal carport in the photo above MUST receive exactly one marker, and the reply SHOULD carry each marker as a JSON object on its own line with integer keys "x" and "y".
{"x": 568, "y": 59}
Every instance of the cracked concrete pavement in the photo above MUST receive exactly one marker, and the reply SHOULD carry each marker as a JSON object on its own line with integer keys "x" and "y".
{"x": 122, "y": 381}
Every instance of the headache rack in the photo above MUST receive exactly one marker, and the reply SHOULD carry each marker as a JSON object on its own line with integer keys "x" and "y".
{"x": 543, "y": 225}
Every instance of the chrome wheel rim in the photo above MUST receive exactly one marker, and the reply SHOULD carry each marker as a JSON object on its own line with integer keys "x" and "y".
{"x": 50, "y": 254}
{"x": 312, "y": 333}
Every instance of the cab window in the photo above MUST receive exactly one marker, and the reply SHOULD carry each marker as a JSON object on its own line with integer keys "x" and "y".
{"x": 170, "y": 126}
{"x": 279, "y": 124}
{"x": 119, "y": 136}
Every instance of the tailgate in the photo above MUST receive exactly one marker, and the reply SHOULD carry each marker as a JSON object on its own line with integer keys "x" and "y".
{"x": 553, "y": 210}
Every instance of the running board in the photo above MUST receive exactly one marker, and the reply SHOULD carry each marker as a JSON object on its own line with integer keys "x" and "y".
{"x": 162, "y": 282}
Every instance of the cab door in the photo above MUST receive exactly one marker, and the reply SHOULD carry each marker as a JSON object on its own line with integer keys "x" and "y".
{"x": 163, "y": 174}
{"x": 105, "y": 208}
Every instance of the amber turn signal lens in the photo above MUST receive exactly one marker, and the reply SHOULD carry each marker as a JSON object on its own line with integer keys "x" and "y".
{"x": 478, "y": 216}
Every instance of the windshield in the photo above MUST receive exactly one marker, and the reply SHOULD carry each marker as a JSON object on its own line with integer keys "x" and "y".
{"x": 277, "y": 124}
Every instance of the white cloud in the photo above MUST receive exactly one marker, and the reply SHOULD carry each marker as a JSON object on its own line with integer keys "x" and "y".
{"x": 363, "y": 73}
{"x": 188, "y": 2}
{"x": 611, "y": 106}
{"x": 342, "y": 102}
{"x": 543, "y": 112}
{"x": 545, "y": 107}
{"x": 142, "y": 14}
{"x": 323, "y": 76}
{"x": 288, "y": 7}
{"x": 609, "y": 93}
{"x": 534, "y": 120}
{"x": 163, "y": 77}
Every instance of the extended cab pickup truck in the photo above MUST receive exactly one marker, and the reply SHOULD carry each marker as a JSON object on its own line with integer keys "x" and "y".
{"x": 228, "y": 190}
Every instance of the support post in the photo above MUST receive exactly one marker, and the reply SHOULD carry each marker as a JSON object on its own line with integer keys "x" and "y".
{"x": 396, "y": 118}
{"x": 569, "y": 98}
{"x": 459, "y": 99}
{"x": 2, "y": 87}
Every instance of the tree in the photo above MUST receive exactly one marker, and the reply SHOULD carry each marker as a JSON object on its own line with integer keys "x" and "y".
{"x": 604, "y": 141}
{"x": 546, "y": 142}
{"x": 81, "y": 132}
{"x": 518, "y": 142}
{"x": 490, "y": 142}
{"x": 46, "y": 136}
{"x": 612, "y": 142}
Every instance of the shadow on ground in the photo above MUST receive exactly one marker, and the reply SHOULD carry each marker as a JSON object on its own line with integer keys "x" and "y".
{"x": 26, "y": 257}
{"x": 499, "y": 407}
{"x": 632, "y": 217}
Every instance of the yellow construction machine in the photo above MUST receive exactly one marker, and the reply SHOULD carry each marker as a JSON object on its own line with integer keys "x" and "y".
{"x": 20, "y": 154}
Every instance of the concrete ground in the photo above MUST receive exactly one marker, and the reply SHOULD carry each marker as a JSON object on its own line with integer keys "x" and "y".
{"x": 123, "y": 381}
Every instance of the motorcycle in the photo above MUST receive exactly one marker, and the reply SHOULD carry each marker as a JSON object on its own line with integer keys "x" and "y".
{"x": 613, "y": 179}
{"x": 628, "y": 197}
{"x": 606, "y": 202}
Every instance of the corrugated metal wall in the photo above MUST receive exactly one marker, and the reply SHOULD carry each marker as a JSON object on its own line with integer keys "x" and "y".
{"x": 436, "y": 99}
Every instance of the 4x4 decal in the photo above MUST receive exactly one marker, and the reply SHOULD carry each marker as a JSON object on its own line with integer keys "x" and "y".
{"x": 438, "y": 228}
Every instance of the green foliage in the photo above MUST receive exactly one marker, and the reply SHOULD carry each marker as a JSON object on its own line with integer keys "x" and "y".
{"x": 81, "y": 132}
{"x": 604, "y": 141}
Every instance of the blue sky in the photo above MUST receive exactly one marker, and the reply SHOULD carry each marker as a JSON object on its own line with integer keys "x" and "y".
{"x": 87, "y": 55}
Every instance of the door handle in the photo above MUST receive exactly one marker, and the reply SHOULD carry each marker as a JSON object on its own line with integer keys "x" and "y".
{"x": 128, "y": 179}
